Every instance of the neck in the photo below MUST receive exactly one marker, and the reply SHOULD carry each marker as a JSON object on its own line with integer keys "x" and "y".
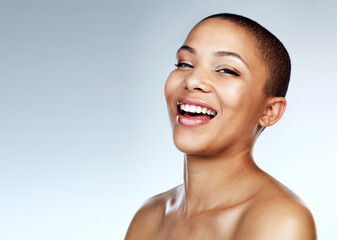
{"x": 221, "y": 181}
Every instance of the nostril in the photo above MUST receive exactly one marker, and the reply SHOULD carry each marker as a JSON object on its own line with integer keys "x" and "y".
{"x": 195, "y": 84}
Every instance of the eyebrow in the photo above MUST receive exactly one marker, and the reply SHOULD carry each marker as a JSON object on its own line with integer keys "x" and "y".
{"x": 187, "y": 48}
{"x": 231, "y": 54}
{"x": 217, "y": 54}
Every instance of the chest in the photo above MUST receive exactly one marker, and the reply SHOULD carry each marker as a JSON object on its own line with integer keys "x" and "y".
{"x": 207, "y": 226}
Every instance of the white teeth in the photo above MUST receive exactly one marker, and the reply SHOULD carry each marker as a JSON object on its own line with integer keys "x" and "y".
{"x": 193, "y": 109}
{"x": 196, "y": 109}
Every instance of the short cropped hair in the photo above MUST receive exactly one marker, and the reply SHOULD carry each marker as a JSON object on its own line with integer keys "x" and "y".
{"x": 273, "y": 53}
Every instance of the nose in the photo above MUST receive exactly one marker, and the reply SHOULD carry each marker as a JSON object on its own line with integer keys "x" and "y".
{"x": 197, "y": 81}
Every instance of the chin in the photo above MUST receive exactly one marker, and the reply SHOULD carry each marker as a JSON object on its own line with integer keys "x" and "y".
{"x": 192, "y": 143}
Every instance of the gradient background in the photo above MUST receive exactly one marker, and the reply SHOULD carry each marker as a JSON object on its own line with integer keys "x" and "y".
{"x": 84, "y": 134}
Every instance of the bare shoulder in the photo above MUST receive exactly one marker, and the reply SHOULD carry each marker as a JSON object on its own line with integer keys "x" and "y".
{"x": 277, "y": 213}
{"x": 146, "y": 220}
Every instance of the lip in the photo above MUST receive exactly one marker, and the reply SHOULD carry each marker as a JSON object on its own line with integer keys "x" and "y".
{"x": 188, "y": 122}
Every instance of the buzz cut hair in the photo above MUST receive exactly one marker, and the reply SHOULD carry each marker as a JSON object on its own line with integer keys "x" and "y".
{"x": 273, "y": 53}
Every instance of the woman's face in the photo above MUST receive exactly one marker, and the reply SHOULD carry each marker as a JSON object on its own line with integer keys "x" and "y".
{"x": 215, "y": 95}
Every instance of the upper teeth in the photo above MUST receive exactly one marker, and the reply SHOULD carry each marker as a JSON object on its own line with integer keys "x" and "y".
{"x": 196, "y": 109}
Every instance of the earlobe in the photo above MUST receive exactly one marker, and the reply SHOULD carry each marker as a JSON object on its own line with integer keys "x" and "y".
{"x": 274, "y": 110}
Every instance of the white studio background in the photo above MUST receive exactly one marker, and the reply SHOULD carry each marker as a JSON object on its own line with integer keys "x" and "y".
{"x": 84, "y": 134}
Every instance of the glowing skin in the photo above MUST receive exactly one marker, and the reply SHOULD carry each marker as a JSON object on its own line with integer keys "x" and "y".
{"x": 238, "y": 100}
{"x": 225, "y": 195}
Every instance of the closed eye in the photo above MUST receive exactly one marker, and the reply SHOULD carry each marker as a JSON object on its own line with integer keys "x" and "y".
{"x": 229, "y": 71}
{"x": 183, "y": 65}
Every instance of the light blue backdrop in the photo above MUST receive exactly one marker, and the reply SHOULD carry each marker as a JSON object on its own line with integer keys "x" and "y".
{"x": 84, "y": 133}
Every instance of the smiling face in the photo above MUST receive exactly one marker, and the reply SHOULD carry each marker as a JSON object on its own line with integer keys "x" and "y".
{"x": 215, "y": 95}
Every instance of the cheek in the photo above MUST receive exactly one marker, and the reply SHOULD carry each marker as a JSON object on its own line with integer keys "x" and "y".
{"x": 168, "y": 87}
{"x": 170, "y": 90}
{"x": 239, "y": 106}
{"x": 233, "y": 95}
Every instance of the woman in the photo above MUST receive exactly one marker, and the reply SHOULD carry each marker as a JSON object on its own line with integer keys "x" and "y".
{"x": 230, "y": 84}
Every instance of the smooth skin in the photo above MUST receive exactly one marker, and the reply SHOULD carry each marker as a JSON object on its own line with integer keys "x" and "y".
{"x": 225, "y": 195}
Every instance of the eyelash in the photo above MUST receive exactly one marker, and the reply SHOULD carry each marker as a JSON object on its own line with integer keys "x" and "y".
{"x": 227, "y": 70}
{"x": 178, "y": 65}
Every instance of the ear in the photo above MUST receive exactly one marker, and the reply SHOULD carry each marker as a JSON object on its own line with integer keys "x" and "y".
{"x": 273, "y": 112}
